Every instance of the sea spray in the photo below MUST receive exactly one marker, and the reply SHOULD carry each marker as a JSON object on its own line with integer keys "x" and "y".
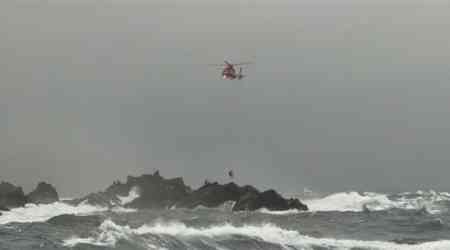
{"x": 42, "y": 212}
{"x": 37, "y": 213}
{"x": 109, "y": 233}
{"x": 357, "y": 202}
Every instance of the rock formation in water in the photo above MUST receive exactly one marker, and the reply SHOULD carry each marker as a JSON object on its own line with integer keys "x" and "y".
{"x": 246, "y": 198}
{"x": 154, "y": 191}
{"x": 44, "y": 193}
{"x": 11, "y": 196}
{"x": 214, "y": 194}
{"x": 146, "y": 191}
{"x": 269, "y": 199}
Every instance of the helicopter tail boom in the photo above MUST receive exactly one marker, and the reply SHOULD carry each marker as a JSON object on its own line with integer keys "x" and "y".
{"x": 240, "y": 75}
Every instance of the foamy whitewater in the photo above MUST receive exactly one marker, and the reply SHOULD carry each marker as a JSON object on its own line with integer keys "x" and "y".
{"x": 347, "y": 220}
{"x": 132, "y": 195}
{"x": 354, "y": 201}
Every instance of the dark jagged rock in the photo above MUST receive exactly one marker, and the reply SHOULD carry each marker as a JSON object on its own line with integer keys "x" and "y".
{"x": 211, "y": 195}
{"x": 43, "y": 194}
{"x": 96, "y": 199}
{"x": 156, "y": 192}
{"x": 11, "y": 196}
{"x": 269, "y": 199}
{"x": 153, "y": 191}
{"x": 297, "y": 204}
{"x": 246, "y": 198}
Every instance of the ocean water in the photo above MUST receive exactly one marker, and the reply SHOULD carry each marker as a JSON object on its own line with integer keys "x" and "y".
{"x": 347, "y": 220}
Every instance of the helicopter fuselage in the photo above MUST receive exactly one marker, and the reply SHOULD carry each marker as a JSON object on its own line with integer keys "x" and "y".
{"x": 229, "y": 73}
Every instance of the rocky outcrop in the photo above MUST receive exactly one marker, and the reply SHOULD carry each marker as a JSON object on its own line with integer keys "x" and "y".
{"x": 211, "y": 195}
{"x": 156, "y": 192}
{"x": 146, "y": 191}
{"x": 269, "y": 199}
{"x": 44, "y": 193}
{"x": 96, "y": 199}
{"x": 246, "y": 198}
{"x": 11, "y": 196}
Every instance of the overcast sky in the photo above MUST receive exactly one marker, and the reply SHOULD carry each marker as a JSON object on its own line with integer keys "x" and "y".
{"x": 343, "y": 95}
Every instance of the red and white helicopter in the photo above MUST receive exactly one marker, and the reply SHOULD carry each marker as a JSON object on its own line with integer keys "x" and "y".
{"x": 229, "y": 72}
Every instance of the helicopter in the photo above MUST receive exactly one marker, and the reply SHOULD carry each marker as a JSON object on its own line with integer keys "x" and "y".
{"x": 229, "y": 71}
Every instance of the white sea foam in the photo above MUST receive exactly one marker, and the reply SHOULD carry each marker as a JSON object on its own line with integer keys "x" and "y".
{"x": 349, "y": 201}
{"x": 354, "y": 201}
{"x": 132, "y": 195}
{"x": 39, "y": 213}
{"x": 227, "y": 206}
{"x": 123, "y": 210}
{"x": 285, "y": 212}
{"x": 109, "y": 233}
{"x": 43, "y": 212}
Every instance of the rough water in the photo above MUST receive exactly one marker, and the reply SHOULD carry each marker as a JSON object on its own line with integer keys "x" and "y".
{"x": 348, "y": 220}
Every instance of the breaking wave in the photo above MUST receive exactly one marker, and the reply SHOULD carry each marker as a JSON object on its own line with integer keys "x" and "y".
{"x": 110, "y": 233}
{"x": 38, "y": 213}
{"x": 227, "y": 206}
{"x": 431, "y": 201}
{"x": 42, "y": 212}
{"x": 132, "y": 195}
{"x": 285, "y": 212}
{"x": 219, "y": 228}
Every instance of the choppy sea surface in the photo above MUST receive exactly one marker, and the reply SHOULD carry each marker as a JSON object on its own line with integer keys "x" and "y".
{"x": 347, "y": 220}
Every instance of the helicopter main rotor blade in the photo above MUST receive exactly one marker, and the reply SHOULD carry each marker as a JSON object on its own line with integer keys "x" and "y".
{"x": 218, "y": 65}
{"x": 233, "y": 64}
